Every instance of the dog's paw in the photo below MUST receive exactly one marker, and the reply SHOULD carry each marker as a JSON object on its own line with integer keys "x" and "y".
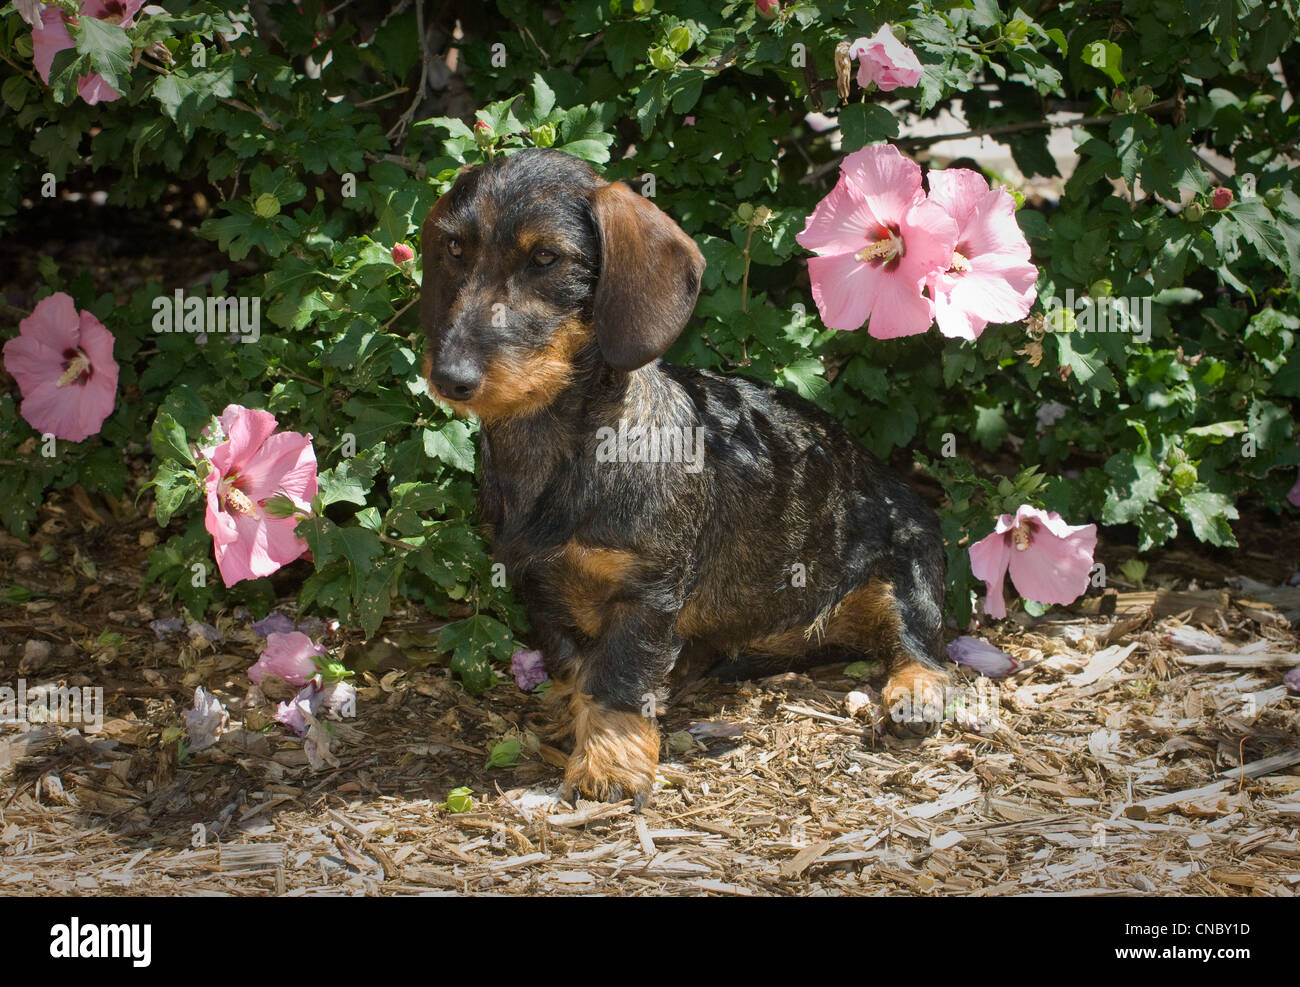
{"x": 914, "y": 699}
{"x": 614, "y": 756}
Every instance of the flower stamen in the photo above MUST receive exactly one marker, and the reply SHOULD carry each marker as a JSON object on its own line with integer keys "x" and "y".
{"x": 960, "y": 264}
{"x": 1020, "y": 538}
{"x": 77, "y": 366}
{"x": 888, "y": 247}
{"x": 236, "y": 501}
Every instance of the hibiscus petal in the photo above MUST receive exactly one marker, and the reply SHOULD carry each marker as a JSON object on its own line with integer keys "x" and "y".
{"x": 54, "y": 321}
{"x": 32, "y": 362}
{"x": 930, "y": 236}
{"x": 844, "y": 289}
{"x": 51, "y": 39}
{"x": 989, "y": 559}
{"x": 991, "y": 228}
{"x": 290, "y": 656}
{"x": 982, "y": 656}
{"x": 955, "y": 321}
{"x": 899, "y": 308}
{"x": 94, "y": 89}
{"x": 285, "y": 463}
{"x": 840, "y": 222}
{"x": 958, "y": 191}
{"x": 989, "y": 294}
{"x": 889, "y": 183}
{"x": 246, "y": 429}
{"x": 1054, "y": 569}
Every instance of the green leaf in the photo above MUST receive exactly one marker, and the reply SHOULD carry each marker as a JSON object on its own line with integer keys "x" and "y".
{"x": 451, "y": 443}
{"x": 866, "y": 123}
{"x": 351, "y": 480}
{"x": 108, "y": 49}
{"x": 1105, "y": 56}
{"x": 168, "y": 441}
{"x": 1209, "y": 514}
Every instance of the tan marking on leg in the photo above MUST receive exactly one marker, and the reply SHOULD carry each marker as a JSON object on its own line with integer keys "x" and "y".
{"x": 614, "y": 753}
{"x": 916, "y": 692}
{"x": 590, "y": 579}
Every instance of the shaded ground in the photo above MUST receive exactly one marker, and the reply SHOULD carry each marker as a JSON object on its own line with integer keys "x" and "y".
{"x": 1109, "y": 764}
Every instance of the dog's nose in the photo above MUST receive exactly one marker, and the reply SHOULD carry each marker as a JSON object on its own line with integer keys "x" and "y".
{"x": 458, "y": 381}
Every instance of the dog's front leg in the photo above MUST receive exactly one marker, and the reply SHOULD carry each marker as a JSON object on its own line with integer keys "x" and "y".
{"x": 609, "y": 701}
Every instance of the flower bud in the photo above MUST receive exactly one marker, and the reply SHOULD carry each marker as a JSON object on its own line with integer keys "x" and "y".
{"x": 544, "y": 135}
{"x": 484, "y": 135}
{"x": 1194, "y": 212}
{"x": 663, "y": 58}
{"x": 267, "y": 206}
{"x": 767, "y": 9}
{"x": 679, "y": 40}
{"x": 402, "y": 253}
{"x": 1143, "y": 96}
{"x": 1221, "y": 198}
{"x": 1273, "y": 197}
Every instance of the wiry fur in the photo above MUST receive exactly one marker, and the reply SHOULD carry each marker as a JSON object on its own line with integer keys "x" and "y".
{"x": 623, "y": 564}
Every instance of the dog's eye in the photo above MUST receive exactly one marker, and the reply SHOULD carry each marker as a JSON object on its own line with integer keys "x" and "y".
{"x": 544, "y": 257}
{"x": 453, "y": 246}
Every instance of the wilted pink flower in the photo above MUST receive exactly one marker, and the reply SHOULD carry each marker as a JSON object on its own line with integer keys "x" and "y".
{"x": 990, "y": 277}
{"x": 249, "y": 468}
{"x": 1049, "y": 560}
{"x": 337, "y": 698}
{"x": 402, "y": 253}
{"x": 289, "y": 656}
{"x": 1221, "y": 198}
{"x": 1293, "y": 494}
{"x": 982, "y": 656}
{"x": 885, "y": 60}
{"x": 1292, "y": 681}
{"x": 63, "y": 362}
{"x": 878, "y": 239}
{"x": 290, "y": 714}
{"x": 53, "y": 37}
{"x": 528, "y": 669}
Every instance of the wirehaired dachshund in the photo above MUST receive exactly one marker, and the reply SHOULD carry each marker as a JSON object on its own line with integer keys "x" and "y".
{"x": 641, "y": 507}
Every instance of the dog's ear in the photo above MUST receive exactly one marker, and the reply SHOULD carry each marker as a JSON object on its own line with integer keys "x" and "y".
{"x": 649, "y": 278}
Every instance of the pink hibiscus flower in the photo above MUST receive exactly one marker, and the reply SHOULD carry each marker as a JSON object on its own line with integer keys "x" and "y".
{"x": 990, "y": 277}
{"x": 63, "y": 362}
{"x": 885, "y": 60}
{"x": 1050, "y": 561}
{"x": 53, "y": 37}
{"x": 289, "y": 656}
{"x": 250, "y": 467}
{"x": 878, "y": 239}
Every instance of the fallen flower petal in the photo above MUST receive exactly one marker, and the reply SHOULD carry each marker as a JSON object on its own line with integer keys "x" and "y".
{"x": 207, "y": 721}
{"x": 291, "y": 656}
{"x": 528, "y": 669}
{"x": 982, "y": 656}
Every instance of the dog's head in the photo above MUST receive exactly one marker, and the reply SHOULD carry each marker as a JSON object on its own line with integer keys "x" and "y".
{"x": 530, "y": 259}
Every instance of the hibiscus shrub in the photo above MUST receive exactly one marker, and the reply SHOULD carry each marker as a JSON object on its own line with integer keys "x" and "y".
{"x": 314, "y": 141}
